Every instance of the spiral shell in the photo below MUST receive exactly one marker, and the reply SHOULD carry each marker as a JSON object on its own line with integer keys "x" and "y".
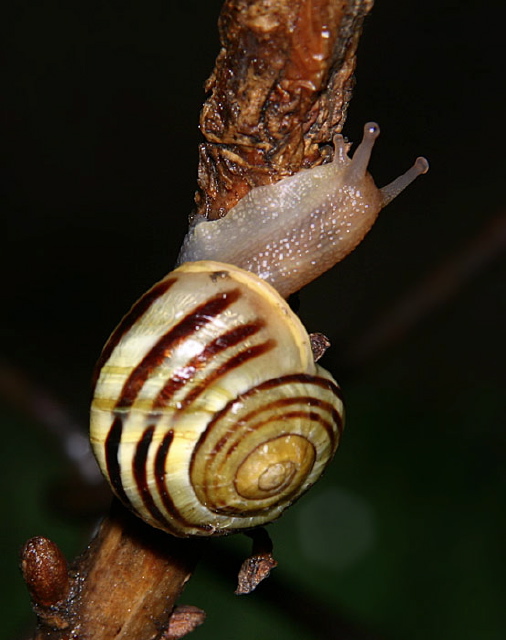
{"x": 209, "y": 414}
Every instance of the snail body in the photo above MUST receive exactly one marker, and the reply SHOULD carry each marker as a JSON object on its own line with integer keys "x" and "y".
{"x": 209, "y": 413}
{"x": 291, "y": 232}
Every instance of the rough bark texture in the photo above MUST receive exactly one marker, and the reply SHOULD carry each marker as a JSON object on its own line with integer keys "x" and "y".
{"x": 131, "y": 577}
{"x": 279, "y": 91}
{"x": 124, "y": 586}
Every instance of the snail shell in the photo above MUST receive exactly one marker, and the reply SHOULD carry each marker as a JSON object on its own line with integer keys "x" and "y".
{"x": 209, "y": 413}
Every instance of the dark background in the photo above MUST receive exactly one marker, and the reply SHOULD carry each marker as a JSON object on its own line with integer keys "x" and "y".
{"x": 100, "y": 100}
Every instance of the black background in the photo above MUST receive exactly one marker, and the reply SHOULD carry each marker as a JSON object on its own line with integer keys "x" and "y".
{"x": 99, "y": 135}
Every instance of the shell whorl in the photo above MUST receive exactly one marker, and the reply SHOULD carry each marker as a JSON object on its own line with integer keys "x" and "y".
{"x": 209, "y": 414}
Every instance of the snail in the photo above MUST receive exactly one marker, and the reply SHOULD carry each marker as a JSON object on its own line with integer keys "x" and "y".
{"x": 209, "y": 413}
{"x": 291, "y": 232}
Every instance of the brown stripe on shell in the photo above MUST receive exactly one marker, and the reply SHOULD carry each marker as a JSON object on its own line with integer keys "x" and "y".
{"x": 324, "y": 383}
{"x": 284, "y": 498}
{"x": 192, "y": 322}
{"x": 313, "y": 402}
{"x": 139, "y": 470}
{"x": 277, "y": 404}
{"x": 309, "y": 400}
{"x": 111, "y": 445}
{"x": 312, "y": 416}
{"x": 186, "y": 374}
{"x": 168, "y": 503}
{"x": 232, "y": 363}
{"x": 136, "y": 312}
{"x": 304, "y": 378}
{"x": 270, "y": 384}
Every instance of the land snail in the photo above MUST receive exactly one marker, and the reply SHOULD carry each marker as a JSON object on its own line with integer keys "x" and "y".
{"x": 209, "y": 413}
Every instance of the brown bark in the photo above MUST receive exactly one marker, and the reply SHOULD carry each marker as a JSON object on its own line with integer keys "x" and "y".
{"x": 279, "y": 91}
{"x": 124, "y": 586}
{"x": 133, "y": 575}
{"x": 259, "y": 565}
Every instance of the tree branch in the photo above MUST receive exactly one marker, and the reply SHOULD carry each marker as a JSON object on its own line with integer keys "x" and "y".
{"x": 124, "y": 586}
{"x": 279, "y": 90}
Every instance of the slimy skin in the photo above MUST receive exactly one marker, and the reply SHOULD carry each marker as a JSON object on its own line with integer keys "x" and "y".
{"x": 291, "y": 232}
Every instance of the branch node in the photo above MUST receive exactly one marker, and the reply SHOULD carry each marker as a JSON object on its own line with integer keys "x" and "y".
{"x": 319, "y": 344}
{"x": 259, "y": 565}
{"x": 45, "y": 572}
